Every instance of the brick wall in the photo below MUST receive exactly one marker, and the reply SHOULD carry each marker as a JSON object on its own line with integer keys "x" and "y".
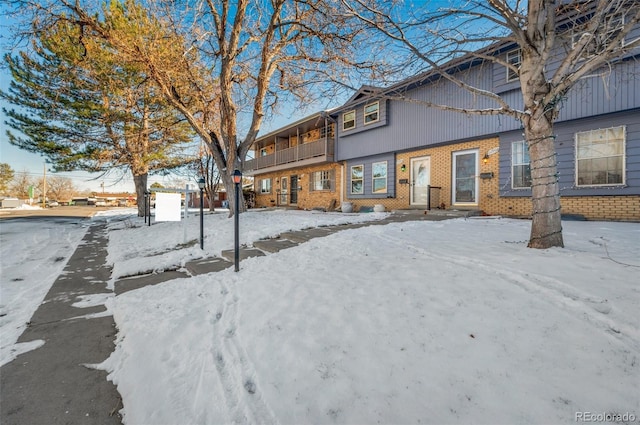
{"x": 306, "y": 199}
{"x": 489, "y": 201}
{"x": 441, "y": 170}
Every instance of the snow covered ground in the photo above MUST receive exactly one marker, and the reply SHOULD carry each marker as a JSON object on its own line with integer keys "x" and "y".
{"x": 420, "y": 322}
{"x": 32, "y": 255}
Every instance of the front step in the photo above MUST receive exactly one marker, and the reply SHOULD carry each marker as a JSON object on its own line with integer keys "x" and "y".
{"x": 274, "y": 245}
{"x": 244, "y": 253}
{"x": 455, "y": 213}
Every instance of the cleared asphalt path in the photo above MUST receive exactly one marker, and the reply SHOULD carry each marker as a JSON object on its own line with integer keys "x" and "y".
{"x": 53, "y": 385}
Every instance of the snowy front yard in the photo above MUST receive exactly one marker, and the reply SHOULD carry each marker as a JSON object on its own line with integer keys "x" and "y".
{"x": 418, "y": 322}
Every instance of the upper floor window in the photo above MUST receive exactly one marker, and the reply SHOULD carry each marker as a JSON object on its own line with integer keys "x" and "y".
{"x": 600, "y": 157}
{"x": 520, "y": 165}
{"x": 514, "y": 58}
{"x": 265, "y": 186}
{"x": 357, "y": 179}
{"x": 348, "y": 120}
{"x": 379, "y": 177}
{"x": 264, "y": 152}
{"x": 371, "y": 113}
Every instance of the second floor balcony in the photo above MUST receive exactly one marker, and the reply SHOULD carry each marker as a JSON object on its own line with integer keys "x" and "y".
{"x": 292, "y": 147}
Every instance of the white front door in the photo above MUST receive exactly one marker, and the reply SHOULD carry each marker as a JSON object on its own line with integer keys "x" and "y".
{"x": 284, "y": 190}
{"x": 420, "y": 180}
{"x": 465, "y": 178}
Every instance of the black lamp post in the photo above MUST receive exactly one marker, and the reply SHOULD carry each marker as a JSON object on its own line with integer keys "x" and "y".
{"x": 201, "y": 186}
{"x": 237, "y": 178}
{"x": 147, "y": 194}
{"x": 145, "y": 207}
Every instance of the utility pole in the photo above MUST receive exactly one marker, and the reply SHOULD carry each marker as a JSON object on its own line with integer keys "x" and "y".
{"x": 44, "y": 186}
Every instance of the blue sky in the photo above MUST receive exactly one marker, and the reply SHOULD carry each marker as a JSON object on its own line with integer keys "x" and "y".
{"x": 33, "y": 164}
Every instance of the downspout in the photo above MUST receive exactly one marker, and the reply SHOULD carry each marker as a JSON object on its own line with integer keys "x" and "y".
{"x": 342, "y": 183}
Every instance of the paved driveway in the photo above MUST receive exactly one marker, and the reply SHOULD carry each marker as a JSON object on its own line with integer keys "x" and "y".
{"x": 74, "y": 211}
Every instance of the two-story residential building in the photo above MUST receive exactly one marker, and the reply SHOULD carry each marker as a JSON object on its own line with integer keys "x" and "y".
{"x": 404, "y": 155}
{"x": 295, "y": 166}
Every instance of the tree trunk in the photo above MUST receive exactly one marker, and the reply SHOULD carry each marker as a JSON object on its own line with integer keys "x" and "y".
{"x": 546, "y": 226}
{"x": 210, "y": 194}
{"x": 140, "y": 182}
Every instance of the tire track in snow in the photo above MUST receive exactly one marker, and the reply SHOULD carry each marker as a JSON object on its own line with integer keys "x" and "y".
{"x": 556, "y": 292}
{"x": 243, "y": 398}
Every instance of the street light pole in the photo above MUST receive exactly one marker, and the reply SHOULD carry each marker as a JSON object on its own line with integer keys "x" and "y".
{"x": 237, "y": 178}
{"x": 201, "y": 186}
{"x": 149, "y": 205}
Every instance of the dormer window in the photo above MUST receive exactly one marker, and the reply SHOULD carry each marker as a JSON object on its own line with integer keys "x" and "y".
{"x": 348, "y": 120}
{"x": 371, "y": 113}
{"x": 514, "y": 58}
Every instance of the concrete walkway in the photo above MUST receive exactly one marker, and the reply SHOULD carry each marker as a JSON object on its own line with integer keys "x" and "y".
{"x": 267, "y": 246}
{"x": 52, "y": 384}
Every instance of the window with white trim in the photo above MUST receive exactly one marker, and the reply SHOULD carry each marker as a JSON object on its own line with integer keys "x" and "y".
{"x": 357, "y": 179}
{"x": 321, "y": 180}
{"x": 264, "y": 152}
{"x": 379, "y": 176}
{"x": 265, "y": 186}
{"x": 520, "y": 165}
{"x": 514, "y": 58}
{"x": 371, "y": 113}
{"x": 348, "y": 120}
{"x": 600, "y": 157}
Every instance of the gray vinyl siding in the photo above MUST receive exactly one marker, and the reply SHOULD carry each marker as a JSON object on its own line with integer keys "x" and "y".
{"x": 368, "y": 179}
{"x": 360, "y": 126}
{"x": 565, "y": 148}
{"x": 413, "y": 126}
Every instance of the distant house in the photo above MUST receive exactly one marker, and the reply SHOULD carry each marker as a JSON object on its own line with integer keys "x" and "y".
{"x": 118, "y": 199}
{"x": 218, "y": 199}
{"x": 379, "y": 150}
{"x": 10, "y": 203}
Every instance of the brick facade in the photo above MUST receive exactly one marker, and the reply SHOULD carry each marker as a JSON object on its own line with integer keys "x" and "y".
{"x": 307, "y": 199}
{"x": 441, "y": 160}
{"x": 489, "y": 201}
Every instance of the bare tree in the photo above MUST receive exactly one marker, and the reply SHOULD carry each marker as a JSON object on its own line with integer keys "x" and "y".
{"x": 60, "y": 188}
{"x": 21, "y": 183}
{"x": 206, "y": 168}
{"x": 560, "y": 42}
{"x": 236, "y": 59}
{"x": 85, "y": 110}
{"x": 6, "y": 176}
